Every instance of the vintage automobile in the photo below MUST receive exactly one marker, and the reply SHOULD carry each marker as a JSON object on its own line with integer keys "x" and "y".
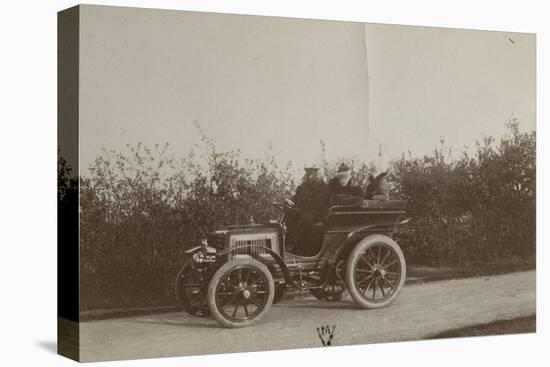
{"x": 238, "y": 272}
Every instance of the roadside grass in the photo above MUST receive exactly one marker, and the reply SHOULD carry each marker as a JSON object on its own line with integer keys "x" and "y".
{"x": 500, "y": 327}
{"x": 420, "y": 273}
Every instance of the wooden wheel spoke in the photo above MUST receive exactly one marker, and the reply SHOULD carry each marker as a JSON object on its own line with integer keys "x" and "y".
{"x": 390, "y": 264}
{"x": 368, "y": 287}
{"x": 385, "y": 257}
{"x": 363, "y": 280}
{"x": 231, "y": 301}
{"x": 365, "y": 261}
{"x": 392, "y": 277}
{"x": 370, "y": 251}
{"x": 226, "y": 294}
{"x": 382, "y": 289}
{"x": 254, "y": 302}
{"x": 372, "y": 258}
{"x": 228, "y": 281}
{"x": 229, "y": 284}
{"x": 391, "y": 286}
{"x": 235, "y": 310}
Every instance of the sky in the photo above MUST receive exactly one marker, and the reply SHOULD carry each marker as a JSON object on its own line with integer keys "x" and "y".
{"x": 250, "y": 82}
{"x": 431, "y": 83}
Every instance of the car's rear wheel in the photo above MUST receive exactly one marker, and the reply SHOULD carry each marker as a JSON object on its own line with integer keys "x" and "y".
{"x": 190, "y": 288}
{"x": 240, "y": 292}
{"x": 375, "y": 271}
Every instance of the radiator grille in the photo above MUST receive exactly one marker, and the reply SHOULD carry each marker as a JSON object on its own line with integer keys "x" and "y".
{"x": 252, "y": 247}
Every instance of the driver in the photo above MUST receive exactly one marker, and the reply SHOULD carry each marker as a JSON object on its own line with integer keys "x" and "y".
{"x": 312, "y": 198}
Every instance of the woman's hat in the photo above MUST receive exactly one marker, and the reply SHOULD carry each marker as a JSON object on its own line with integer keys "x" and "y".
{"x": 343, "y": 168}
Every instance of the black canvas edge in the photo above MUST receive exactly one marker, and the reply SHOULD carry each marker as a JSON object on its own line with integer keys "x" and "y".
{"x": 68, "y": 241}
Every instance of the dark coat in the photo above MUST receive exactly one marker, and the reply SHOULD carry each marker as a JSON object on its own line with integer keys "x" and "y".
{"x": 344, "y": 195}
{"x": 377, "y": 188}
{"x": 313, "y": 197}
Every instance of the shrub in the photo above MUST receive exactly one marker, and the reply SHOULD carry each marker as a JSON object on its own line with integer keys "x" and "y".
{"x": 141, "y": 209}
{"x": 476, "y": 208}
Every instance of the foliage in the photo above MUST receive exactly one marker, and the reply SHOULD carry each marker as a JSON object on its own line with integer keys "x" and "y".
{"x": 477, "y": 208}
{"x": 141, "y": 209}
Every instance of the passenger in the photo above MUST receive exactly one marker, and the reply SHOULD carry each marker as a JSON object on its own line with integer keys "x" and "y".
{"x": 312, "y": 198}
{"x": 342, "y": 190}
{"x": 377, "y": 188}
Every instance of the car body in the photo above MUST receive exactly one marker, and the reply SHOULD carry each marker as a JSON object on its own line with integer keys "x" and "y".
{"x": 239, "y": 271}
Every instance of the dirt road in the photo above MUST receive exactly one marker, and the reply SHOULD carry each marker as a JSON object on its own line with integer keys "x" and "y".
{"x": 420, "y": 311}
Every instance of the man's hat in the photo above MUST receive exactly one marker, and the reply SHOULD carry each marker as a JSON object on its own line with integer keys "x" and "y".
{"x": 311, "y": 167}
{"x": 343, "y": 168}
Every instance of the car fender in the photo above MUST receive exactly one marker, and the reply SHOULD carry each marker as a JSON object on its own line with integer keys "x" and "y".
{"x": 354, "y": 237}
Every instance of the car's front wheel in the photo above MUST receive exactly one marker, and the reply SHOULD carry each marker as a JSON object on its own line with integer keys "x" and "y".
{"x": 240, "y": 292}
{"x": 375, "y": 271}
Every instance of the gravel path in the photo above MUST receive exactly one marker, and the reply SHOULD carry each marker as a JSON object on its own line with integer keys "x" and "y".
{"x": 421, "y": 310}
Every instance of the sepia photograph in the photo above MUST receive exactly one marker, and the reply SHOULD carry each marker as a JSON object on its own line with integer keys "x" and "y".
{"x": 237, "y": 183}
